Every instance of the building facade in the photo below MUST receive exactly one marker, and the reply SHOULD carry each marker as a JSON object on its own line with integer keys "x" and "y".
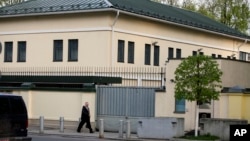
{"x": 53, "y": 52}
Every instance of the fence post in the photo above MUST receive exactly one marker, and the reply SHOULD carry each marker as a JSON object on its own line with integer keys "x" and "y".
{"x": 62, "y": 124}
{"x": 121, "y": 129}
{"x": 41, "y": 122}
{"x": 101, "y": 129}
{"x": 128, "y": 129}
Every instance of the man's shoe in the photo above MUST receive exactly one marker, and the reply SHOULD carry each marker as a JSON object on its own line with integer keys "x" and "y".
{"x": 78, "y": 131}
{"x": 91, "y": 132}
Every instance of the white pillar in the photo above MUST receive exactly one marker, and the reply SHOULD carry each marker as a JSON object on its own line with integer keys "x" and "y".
{"x": 41, "y": 122}
{"x": 61, "y": 124}
{"x": 101, "y": 129}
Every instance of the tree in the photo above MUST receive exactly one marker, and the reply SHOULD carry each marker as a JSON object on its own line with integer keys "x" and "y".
{"x": 234, "y": 13}
{"x": 10, "y": 2}
{"x": 169, "y": 2}
{"x": 189, "y": 4}
{"x": 198, "y": 78}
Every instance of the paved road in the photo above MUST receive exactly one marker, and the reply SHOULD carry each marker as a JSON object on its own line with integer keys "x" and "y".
{"x": 64, "y": 138}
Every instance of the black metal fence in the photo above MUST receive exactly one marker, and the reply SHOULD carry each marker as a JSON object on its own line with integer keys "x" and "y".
{"x": 131, "y": 76}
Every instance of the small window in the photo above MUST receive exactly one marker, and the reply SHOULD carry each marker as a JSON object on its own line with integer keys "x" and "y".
{"x": 131, "y": 49}
{"x": 73, "y": 50}
{"x": 170, "y": 53}
{"x": 147, "y": 54}
{"x": 180, "y": 106}
{"x": 243, "y": 56}
{"x": 213, "y": 55}
{"x": 156, "y": 55}
{"x": 8, "y": 51}
{"x": 58, "y": 50}
{"x": 201, "y": 53}
{"x": 21, "y": 51}
{"x": 120, "y": 57}
{"x": 219, "y": 56}
{"x": 178, "y": 53}
{"x": 194, "y": 53}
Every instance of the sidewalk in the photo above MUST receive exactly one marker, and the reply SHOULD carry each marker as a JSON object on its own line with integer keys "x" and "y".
{"x": 34, "y": 130}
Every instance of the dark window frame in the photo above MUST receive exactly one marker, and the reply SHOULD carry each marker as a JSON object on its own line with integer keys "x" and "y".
{"x": 58, "y": 50}
{"x": 156, "y": 55}
{"x": 8, "y": 52}
{"x": 73, "y": 50}
{"x": 170, "y": 53}
{"x": 147, "y": 59}
{"x": 194, "y": 53}
{"x": 121, "y": 51}
{"x": 179, "y": 103}
{"x": 178, "y": 53}
{"x": 213, "y": 55}
{"x": 243, "y": 56}
{"x": 131, "y": 52}
{"x": 21, "y": 51}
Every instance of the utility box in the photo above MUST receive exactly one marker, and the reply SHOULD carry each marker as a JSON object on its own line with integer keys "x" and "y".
{"x": 160, "y": 128}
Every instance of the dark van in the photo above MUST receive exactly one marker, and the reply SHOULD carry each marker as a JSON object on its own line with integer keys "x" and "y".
{"x": 13, "y": 117}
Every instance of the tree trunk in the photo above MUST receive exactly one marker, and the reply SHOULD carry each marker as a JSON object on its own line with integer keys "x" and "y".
{"x": 196, "y": 120}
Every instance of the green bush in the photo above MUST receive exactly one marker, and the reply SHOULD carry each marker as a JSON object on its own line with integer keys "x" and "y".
{"x": 202, "y": 137}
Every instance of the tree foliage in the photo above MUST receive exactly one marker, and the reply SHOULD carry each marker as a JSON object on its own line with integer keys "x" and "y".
{"x": 233, "y": 13}
{"x": 10, "y": 2}
{"x": 198, "y": 78}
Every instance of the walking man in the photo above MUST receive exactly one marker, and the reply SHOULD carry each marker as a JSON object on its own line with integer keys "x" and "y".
{"x": 85, "y": 117}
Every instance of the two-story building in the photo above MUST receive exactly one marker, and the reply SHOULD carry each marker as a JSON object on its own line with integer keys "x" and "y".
{"x": 54, "y": 51}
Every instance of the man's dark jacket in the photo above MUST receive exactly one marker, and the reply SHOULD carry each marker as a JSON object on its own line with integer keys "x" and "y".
{"x": 85, "y": 113}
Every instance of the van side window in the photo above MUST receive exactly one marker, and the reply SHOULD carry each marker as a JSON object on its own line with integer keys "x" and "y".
{"x": 4, "y": 105}
{"x": 17, "y": 105}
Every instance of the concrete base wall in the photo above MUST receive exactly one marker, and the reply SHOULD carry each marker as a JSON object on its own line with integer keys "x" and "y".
{"x": 160, "y": 128}
{"x": 112, "y": 124}
{"x": 219, "y": 127}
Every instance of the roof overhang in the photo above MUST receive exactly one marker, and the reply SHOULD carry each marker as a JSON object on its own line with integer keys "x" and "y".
{"x": 127, "y": 13}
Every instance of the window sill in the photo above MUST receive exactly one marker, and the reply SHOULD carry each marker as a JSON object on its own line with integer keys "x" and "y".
{"x": 72, "y": 60}
{"x": 178, "y": 112}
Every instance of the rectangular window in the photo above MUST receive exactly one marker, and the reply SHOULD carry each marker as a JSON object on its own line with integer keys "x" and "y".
{"x": 21, "y": 51}
{"x": 194, "y": 53}
{"x": 73, "y": 50}
{"x": 121, "y": 45}
{"x": 147, "y": 54}
{"x": 170, "y": 53}
{"x": 178, "y": 53}
{"x": 219, "y": 56}
{"x": 131, "y": 48}
{"x": 8, "y": 51}
{"x": 243, "y": 56}
{"x": 201, "y": 53}
{"x": 180, "y": 106}
{"x": 58, "y": 50}
{"x": 156, "y": 55}
{"x": 213, "y": 55}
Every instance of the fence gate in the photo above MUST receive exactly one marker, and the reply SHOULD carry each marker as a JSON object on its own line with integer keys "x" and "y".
{"x": 123, "y": 103}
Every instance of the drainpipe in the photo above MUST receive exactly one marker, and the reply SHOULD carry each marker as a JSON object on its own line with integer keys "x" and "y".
{"x": 241, "y": 46}
{"x": 112, "y": 38}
